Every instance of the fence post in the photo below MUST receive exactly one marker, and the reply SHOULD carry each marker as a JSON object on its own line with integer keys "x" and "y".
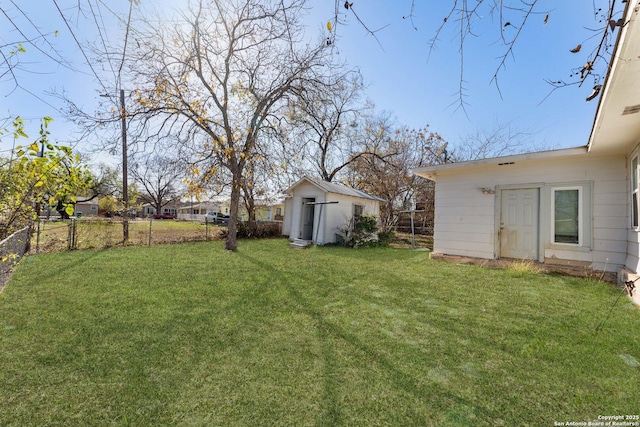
{"x": 150, "y": 222}
{"x": 69, "y": 236}
{"x": 72, "y": 240}
{"x": 38, "y": 237}
{"x": 206, "y": 229}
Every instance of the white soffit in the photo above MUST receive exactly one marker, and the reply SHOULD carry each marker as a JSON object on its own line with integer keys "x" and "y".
{"x": 616, "y": 126}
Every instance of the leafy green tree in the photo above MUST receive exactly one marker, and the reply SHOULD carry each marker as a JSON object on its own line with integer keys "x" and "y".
{"x": 108, "y": 186}
{"x": 36, "y": 174}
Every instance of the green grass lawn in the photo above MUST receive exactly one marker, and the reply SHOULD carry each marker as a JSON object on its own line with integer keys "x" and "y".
{"x": 193, "y": 335}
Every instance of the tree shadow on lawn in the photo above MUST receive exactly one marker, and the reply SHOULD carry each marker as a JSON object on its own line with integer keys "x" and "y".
{"x": 49, "y": 273}
{"x": 451, "y": 407}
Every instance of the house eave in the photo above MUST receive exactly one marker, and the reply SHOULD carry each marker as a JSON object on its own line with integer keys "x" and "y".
{"x": 615, "y": 129}
{"x": 431, "y": 172}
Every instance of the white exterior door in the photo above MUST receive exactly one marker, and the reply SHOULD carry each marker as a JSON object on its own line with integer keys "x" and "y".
{"x": 519, "y": 223}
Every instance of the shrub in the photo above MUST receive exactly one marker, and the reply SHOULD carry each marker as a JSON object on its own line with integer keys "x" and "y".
{"x": 361, "y": 231}
{"x": 385, "y": 237}
{"x": 258, "y": 230}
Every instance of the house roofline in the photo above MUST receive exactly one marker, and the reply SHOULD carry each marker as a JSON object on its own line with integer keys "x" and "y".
{"x": 613, "y": 65}
{"x": 429, "y": 171}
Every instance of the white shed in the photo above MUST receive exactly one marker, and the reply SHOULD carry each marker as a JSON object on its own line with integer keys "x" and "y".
{"x": 316, "y": 210}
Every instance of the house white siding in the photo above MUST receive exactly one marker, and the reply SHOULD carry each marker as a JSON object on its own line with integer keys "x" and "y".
{"x": 286, "y": 223}
{"x": 467, "y": 219}
{"x": 464, "y": 218}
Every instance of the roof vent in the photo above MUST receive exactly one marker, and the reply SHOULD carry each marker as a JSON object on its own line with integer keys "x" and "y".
{"x": 631, "y": 109}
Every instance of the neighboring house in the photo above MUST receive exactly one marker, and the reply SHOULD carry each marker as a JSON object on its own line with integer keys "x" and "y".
{"x": 225, "y": 208}
{"x": 171, "y": 208}
{"x": 89, "y": 208}
{"x": 197, "y": 211}
{"x": 575, "y": 207}
{"x": 311, "y": 212}
{"x": 267, "y": 210}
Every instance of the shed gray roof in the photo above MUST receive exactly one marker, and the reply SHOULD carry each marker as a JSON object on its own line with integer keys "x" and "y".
{"x": 332, "y": 187}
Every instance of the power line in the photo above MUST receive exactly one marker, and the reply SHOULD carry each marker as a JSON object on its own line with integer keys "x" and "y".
{"x": 104, "y": 87}
{"x": 29, "y": 40}
{"x": 100, "y": 32}
{"x": 126, "y": 39}
{"x": 61, "y": 59}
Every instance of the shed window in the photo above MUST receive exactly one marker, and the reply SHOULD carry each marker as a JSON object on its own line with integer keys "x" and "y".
{"x": 567, "y": 206}
{"x": 358, "y": 210}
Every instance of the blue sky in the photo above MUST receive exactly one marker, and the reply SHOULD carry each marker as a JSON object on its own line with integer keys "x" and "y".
{"x": 418, "y": 89}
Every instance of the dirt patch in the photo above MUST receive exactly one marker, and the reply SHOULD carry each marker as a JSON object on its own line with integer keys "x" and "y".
{"x": 569, "y": 269}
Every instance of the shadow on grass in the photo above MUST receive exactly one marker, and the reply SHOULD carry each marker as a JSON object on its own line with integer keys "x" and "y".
{"x": 430, "y": 394}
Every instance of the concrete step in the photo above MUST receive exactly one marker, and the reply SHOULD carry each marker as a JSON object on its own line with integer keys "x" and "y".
{"x": 300, "y": 243}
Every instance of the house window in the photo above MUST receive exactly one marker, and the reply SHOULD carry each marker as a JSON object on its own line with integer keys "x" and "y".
{"x": 567, "y": 215}
{"x": 278, "y": 211}
{"x": 358, "y": 210}
{"x": 634, "y": 192}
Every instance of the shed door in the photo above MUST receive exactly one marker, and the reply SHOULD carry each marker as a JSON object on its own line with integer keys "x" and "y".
{"x": 308, "y": 211}
{"x": 519, "y": 223}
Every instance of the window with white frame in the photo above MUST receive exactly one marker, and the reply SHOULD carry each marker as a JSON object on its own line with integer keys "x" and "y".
{"x": 567, "y": 223}
{"x": 634, "y": 192}
{"x": 358, "y": 210}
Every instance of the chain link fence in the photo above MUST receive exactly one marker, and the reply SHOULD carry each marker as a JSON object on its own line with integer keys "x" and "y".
{"x": 62, "y": 235}
{"x": 414, "y": 229}
{"x": 94, "y": 233}
{"x": 11, "y": 250}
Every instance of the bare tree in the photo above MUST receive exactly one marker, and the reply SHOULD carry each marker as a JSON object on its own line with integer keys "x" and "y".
{"x": 217, "y": 74}
{"x": 510, "y": 18}
{"x": 501, "y": 140}
{"x": 323, "y": 117}
{"x": 159, "y": 178}
{"x": 388, "y": 173}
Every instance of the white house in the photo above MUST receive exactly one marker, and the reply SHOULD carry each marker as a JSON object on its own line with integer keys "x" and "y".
{"x": 316, "y": 210}
{"x": 88, "y": 208}
{"x": 576, "y": 206}
{"x": 197, "y": 211}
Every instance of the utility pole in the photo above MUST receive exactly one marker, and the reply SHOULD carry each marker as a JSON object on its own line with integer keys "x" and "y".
{"x": 125, "y": 184}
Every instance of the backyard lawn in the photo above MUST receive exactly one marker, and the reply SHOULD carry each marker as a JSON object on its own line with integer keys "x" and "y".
{"x": 191, "y": 334}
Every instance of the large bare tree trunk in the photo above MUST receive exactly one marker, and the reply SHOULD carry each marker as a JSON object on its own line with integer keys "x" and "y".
{"x": 231, "y": 243}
